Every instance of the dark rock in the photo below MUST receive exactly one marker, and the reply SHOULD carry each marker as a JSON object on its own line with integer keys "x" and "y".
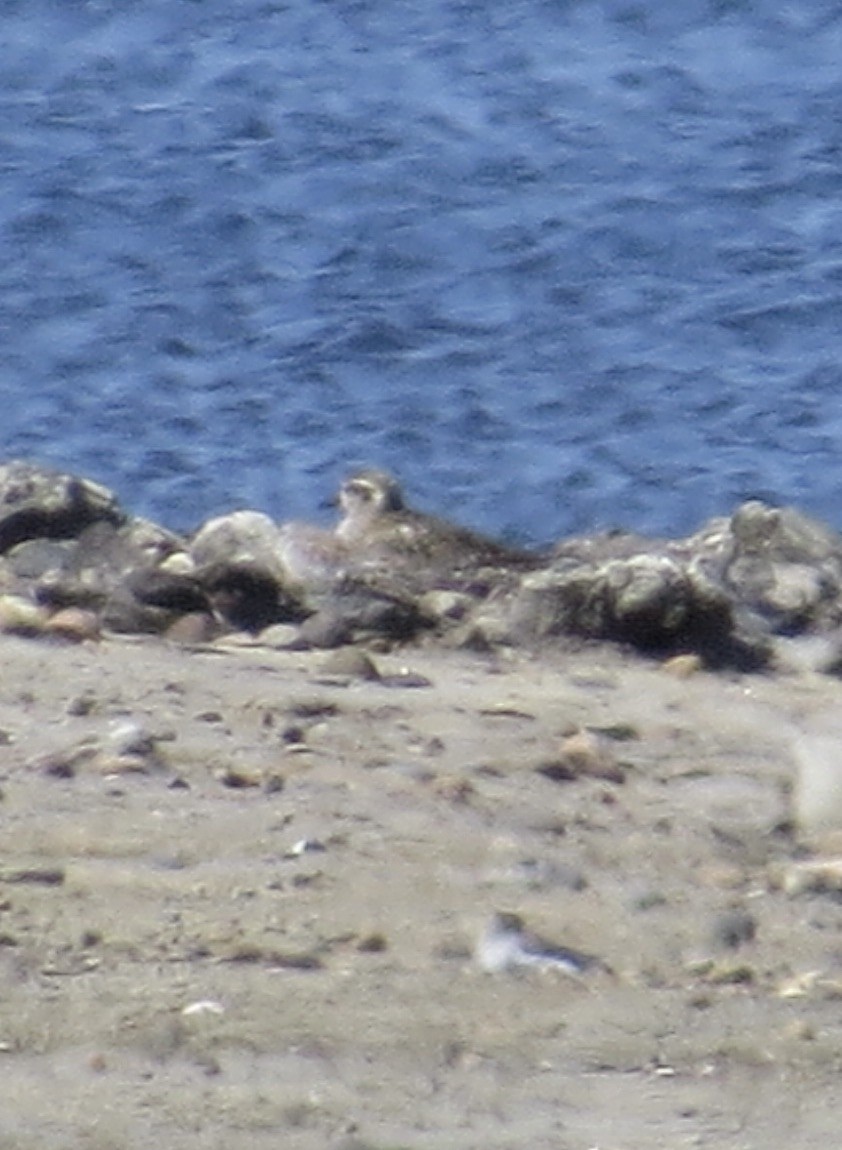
{"x": 722, "y": 593}
{"x": 38, "y": 503}
{"x": 653, "y": 601}
{"x": 240, "y": 564}
{"x": 249, "y": 597}
{"x": 171, "y": 591}
{"x": 358, "y": 610}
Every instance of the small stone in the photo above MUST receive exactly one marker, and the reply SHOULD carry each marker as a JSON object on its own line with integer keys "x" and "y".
{"x": 238, "y": 779}
{"x": 405, "y": 678}
{"x": 74, "y": 624}
{"x": 583, "y": 754}
{"x": 20, "y": 616}
{"x": 116, "y": 765}
{"x": 454, "y": 789}
{"x": 822, "y": 876}
{"x": 84, "y": 704}
{"x": 193, "y": 629}
{"x": 683, "y": 666}
{"x": 305, "y": 846}
{"x": 64, "y": 764}
{"x": 374, "y": 943}
{"x": 729, "y": 974}
{"x": 732, "y": 928}
{"x": 352, "y": 663}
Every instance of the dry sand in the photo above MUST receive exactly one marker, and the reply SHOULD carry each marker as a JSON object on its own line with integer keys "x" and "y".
{"x": 239, "y": 892}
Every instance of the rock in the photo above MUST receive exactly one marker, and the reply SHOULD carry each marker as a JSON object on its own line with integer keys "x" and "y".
{"x": 584, "y": 754}
{"x": 351, "y": 663}
{"x": 193, "y": 629}
{"x": 246, "y": 539}
{"x": 812, "y": 876}
{"x": 358, "y": 610}
{"x": 114, "y": 570}
{"x": 653, "y": 601}
{"x": 732, "y": 928}
{"x": 446, "y": 606}
{"x": 20, "y": 616}
{"x": 683, "y": 666}
{"x": 151, "y": 599}
{"x": 249, "y": 597}
{"x": 38, "y": 503}
{"x": 785, "y": 566}
{"x": 240, "y": 564}
{"x": 74, "y": 624}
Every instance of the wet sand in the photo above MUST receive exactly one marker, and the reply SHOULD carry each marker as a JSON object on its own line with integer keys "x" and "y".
{"x": 239, "y": 892}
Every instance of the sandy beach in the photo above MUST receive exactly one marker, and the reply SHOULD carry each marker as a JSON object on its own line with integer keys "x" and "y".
{"x": 241, "y": 888}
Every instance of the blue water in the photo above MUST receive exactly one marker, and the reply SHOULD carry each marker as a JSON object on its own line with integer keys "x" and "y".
{"x": 561, "y": 265}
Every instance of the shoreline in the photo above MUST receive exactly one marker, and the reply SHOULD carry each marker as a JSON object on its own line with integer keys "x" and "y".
{"x": 242, "y": 886}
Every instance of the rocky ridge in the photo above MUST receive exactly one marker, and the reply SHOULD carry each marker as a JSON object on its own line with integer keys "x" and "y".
{"x": 74, "y": 563}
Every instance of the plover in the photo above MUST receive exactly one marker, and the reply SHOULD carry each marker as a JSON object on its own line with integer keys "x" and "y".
{"x": 506, "y": 944}
{"x": 376, "y": 524}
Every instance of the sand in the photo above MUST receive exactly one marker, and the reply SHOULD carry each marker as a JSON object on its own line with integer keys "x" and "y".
{"x": 240, "y": 890}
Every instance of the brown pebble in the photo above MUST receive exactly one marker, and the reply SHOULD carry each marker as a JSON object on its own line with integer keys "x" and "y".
{"x": 108, "y": 764}
{"x": 195, "y": 628}
{"x": 374, "y": 943}
{"x": 75, "y": 625}
{"x": 583, "y": 754}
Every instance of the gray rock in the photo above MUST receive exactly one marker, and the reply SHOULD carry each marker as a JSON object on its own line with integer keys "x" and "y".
{"x": 246, "y": 539}
{"x": 38, "y": 503}
{"x": 360, "y": 610}
{"x": 785, "y": 567}
{"x": 654, "y": 601}
{"x": 240, "y": 565}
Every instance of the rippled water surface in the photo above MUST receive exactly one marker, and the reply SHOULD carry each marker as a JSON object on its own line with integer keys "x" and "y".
{"x": 560, "y": 265}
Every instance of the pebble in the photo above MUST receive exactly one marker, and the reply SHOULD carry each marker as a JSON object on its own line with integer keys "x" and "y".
{"x": 351, "y": 663}
{"x": 20, "y": 616}
{"x": 815, "y": 875}
{"x": 584, "y": 754}
{"x": 239, "y": 779}
{"x": 74, "y": 624}
{"x": 733, "y": 927}
{"x": 683, "y": 666}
